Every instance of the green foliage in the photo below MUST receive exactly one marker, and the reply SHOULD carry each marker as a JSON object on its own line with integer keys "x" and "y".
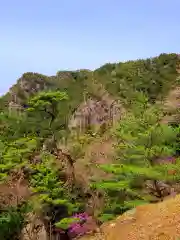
{"x": 46, "y": 101}
{"x": 10, "y": 126}
{"x": 45, "y": 182}
{"x": 66, "y": 222}
{"x": 141, "y": 141}
{"x": 12, "y": 221}
{"x": 51, "y": 101}
{"x": 47, "y": 104}
{"x": 106, "y": 217}
{"x": 15, "y": 155}
{"x": 78, "y": 144}
{"x": 153, "y": 76}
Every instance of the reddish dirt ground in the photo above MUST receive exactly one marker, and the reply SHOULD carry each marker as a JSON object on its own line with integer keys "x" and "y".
{"x": 159, "y": 221}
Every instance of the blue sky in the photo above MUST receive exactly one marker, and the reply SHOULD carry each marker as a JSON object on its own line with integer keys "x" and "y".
{"x": 46, "y": 36}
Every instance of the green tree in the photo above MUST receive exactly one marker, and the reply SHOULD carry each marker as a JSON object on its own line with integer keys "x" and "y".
{"x": 12, "y": 220}
{"x": 47, "y": 104}
{"x": 16, "y": 155}
{"x": 46, "y": 108}
{"x": 153, "y": 76}
{"x": 141, "y": 141}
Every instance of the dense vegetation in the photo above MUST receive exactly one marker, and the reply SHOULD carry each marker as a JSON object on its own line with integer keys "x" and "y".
{"x": 30, "y": 134}
{"x": 153, "y": 76}
{"x": 141, "y": 141}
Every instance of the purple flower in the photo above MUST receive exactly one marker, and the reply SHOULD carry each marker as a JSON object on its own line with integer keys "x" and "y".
{"x": 78, "y": 228}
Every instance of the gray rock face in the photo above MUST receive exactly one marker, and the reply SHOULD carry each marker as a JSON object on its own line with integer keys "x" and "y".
{"x": 34, "y": 230}
{"x": 95, "y": 113}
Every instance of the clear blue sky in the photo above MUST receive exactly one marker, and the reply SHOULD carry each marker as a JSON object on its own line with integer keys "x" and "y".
{"x": 46, "y": 36}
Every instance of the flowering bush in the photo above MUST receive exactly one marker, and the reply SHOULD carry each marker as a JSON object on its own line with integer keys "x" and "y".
{"x": 76, "y": 225}
{"x": 78, "y": 228}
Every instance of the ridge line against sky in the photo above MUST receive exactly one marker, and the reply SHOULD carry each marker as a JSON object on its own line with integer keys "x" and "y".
{"x": 48, "y": 36}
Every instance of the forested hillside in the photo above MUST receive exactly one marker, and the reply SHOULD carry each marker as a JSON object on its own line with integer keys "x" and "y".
{"x": 86, "y": 142}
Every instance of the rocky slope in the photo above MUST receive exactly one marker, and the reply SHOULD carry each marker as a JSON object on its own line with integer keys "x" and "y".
{"x": 154, "y": 221}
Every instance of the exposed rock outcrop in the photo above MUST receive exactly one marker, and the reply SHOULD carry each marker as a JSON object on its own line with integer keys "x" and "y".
{"x": 96, "y": 111}
{"x": 171, "y": 106}
{"x": 34, "y": 230}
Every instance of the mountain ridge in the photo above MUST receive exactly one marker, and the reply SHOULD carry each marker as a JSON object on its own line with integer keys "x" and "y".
{"x": 35, "y": 81}
{"x": 80, "y": 145}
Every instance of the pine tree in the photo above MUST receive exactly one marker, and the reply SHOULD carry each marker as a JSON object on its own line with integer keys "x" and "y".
{"x": 46, "y": 106}
{"x": 142, "y": 139}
